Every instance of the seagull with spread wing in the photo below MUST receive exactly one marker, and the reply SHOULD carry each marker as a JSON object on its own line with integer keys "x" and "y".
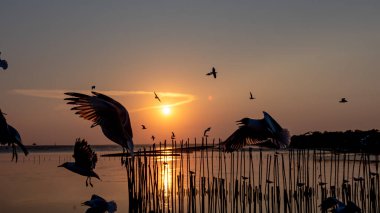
{"x": 156, "y": 97}
{"x": 213, "y": 72}
{"x": 251, "y": 96}
{"x": 257, "y": 132}
{"x": 85, "y": 161}
{"x": 205, "y": 132}
{"x": 100, "y": 205}
{"x": 9, "y": 135}
{"x": 109, "y": 114}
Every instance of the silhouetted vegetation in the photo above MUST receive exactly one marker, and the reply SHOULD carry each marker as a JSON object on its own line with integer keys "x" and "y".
{"x": 350, "y": 141}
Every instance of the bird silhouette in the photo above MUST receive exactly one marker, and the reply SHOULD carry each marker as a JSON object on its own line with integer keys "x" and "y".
{"x": 109, "y": 114}
{"x": 257, "y": 132}
{"x": 92, "y": 87}
{"x": 213, "y": 72}
{"x": 143, "y": 126}
{"x": 153, "y": 137}
{"x": 3, "y": 63}
{"x": 339, "y": 206}
{"x": 10, "y": 136}
{"x": 98, "y": 204}
{"x": 173, "y": 136}
{"x": 251, "y": 96}
{"x": 343, "y": 100}
{"x": 156, "y": 97}
{"x": 85, "y": 161}
{"x": 205, "y": 132}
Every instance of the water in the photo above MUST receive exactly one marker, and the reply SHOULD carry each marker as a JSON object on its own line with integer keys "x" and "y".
{"x": 202, "y": 181}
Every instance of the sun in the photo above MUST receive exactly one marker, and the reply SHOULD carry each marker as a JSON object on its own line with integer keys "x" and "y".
{"x": 166, "y": 110}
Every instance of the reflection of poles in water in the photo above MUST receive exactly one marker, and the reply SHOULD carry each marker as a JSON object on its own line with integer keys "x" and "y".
{"x": 298, "y": 178}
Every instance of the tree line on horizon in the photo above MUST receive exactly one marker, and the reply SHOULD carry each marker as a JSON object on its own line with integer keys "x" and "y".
{"x": 350, "y": 141}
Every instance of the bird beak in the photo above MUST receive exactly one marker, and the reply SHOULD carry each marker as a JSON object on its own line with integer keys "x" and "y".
{"x": 239, "y": 121}
{"x": 60, "y": 165}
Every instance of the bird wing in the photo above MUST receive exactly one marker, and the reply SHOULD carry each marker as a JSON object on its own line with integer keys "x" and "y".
{"x": 3, "y": 125}
{"x": 4, "y": 64}
{"x": 97, "y": 198}
{"x": 272, "y": 125}
{"x": 83, "y": 155}
{"x": 241, "y": 137}
{"x": 281, "y": 136}
{"x": 100, "y": 109}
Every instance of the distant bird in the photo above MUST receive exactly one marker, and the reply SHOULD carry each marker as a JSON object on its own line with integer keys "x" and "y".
{"x": 205, "y": 132}
{"x": 156, "y": 97}
{"x": 10, "y": 136}
{"x": 93, "y": 87}
{"x": 173, "y": 136}
{"x": 251, "y": 96}
{"x": 153, "y": 137}
{"x": 143, "y": 126}
{"x": 98, "y": 204}
{"x": 3, "y": 63}
{"x": 192, "y": 172}
{"x": 112, "y": 117}
{"x": 257, "y": 132}
{"x": 85, "y": 161}
{"x": 213, "y": 72}
{"x": 343, "y": 100}
{"x": 244, "y": 177}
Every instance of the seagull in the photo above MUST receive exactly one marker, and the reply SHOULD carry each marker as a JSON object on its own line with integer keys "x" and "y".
{"x": 143, "y": 126}
{"x": 213, "y": 72}
{"x": 3, "y": 63}
{"x": 92, "y": 87}
{"x": 10, "y": 136}
{"x": 256, "y": 132}
{"x": 251, "y": 96}
{"x": 156, "y": 97}
{"x": 205, "y": 132}
{"x": 343, "y": 100}
{"x": 340, "y": 207}
{"x": 153, "y": 137}
{"x": 173, "y": 136}
{"x": 112, "y": 117}
{"x": 98, "y": 204}
{"x": 85, "y": 161}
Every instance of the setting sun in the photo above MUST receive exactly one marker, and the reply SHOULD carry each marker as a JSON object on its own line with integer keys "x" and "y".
{"x": 166, "y": 110}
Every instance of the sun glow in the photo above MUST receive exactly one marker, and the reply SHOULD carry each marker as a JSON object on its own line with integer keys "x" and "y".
{"x": 166, "y": 110}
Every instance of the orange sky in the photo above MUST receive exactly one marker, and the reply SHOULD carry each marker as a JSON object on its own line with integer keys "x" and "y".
{"x": 298, "y": 59}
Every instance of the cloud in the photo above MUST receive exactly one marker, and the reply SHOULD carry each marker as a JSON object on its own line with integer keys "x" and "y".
{"x": 59, "y": 94}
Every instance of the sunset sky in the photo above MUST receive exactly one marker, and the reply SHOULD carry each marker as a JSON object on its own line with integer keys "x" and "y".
{"x": 297, "y": 57}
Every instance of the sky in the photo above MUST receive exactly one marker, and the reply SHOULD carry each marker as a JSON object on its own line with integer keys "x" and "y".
{"x": 298, "y": 58}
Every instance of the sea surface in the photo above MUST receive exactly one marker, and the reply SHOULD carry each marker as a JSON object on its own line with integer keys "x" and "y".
{"x": 201, "y": 181}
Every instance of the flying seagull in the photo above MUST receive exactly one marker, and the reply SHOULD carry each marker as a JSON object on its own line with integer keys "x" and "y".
{"x": 257, "y": 132}
{"x": 3, "y": 63}
{"x": 143, "y": 126}
{"x": 343, "y": 100}
{"x": 205, "y": 132}
{"x": 85, "y": 161}
{"x": 156, "y": 97}
{"x": 251, "y": 96}
{"x": 100, "y": 205}
{"x": 10, "y": 136}
{"x": 109, "y": 114}
{"x": 213, "y": 72}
